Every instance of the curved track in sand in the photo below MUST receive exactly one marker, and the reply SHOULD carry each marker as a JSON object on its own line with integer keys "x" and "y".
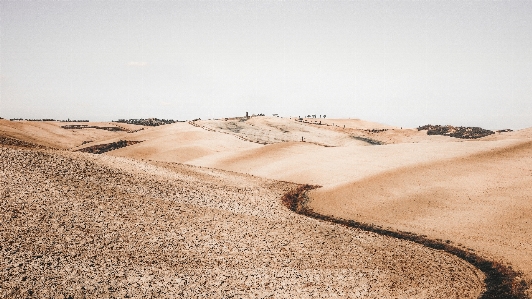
{"x": 95, "y": 225}
{"x": 479, "y": 201}
{"x": 501, "y": 280}
{"x": 333, "y": 167}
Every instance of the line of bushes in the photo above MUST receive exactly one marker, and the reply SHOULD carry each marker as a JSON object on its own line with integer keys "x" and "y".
{"x": 457, "y": 132}
{"x": 368, "y": 140}
{"x": 153, "y": 122}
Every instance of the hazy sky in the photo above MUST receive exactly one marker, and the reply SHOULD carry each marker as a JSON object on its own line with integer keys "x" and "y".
{"x": 404, "y": 63}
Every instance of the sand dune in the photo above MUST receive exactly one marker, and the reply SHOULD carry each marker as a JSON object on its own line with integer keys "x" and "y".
{"x": 351, "y": 123}
{"x": 475, "y": 193}
{"x": 115, "y": 227}
{"x": 331, "y": 166}
{"x": 270, "y": 130}
{"x": 181, "y": 142}
{"x": 482, "y": 201}
{"x": 50, "y": 134}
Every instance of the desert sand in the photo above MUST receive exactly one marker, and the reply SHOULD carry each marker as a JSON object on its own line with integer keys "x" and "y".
{"x": 194, "y": 209}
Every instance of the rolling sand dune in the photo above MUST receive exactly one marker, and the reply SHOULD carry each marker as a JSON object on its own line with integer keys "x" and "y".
{"x": 181, "y": 142}
{"x": 114, "y": 227}
{"x": 353, "y": 123}
{"x": 482, "y": 201}
{"x": 269, "y": 130}
{"x": 50, "y": 134}
{"x": 70, "y": 215}
{"x": 330, "y": 166}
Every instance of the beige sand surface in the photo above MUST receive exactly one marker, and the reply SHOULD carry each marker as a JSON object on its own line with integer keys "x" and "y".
{"x": 331, "y": 166}
{"x": 483, "y": 201}
{"x": 51, "y": 134}
{"x": 350, "y": 123}
{"x": 180, "y": 142}
{"x": 82, "y": 225}
{"x": 268, "y": 130}
{"x": 472, "y": 192}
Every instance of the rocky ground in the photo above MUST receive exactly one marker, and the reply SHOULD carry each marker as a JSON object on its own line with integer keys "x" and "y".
{"x": 12, "y": 142}
{"x": 77, "y": 225}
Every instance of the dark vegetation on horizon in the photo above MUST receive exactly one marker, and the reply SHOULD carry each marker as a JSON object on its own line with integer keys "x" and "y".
{"x": 368, "y": 140}
{"x": 501, "y": 280}
{"x": 38, "y": 119}
{"x": 79, "y": 127}
{"x": 142, "y": 121}
{"x": 457, "y": 132}
{"x": 153, "y": 122}
{"x": 50, "y": 119}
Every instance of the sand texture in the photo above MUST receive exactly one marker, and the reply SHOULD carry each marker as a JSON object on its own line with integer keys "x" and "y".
{"x": 136, "y": 222}
{"x": 86, "y": 225}
{"x": 482, "y": 201}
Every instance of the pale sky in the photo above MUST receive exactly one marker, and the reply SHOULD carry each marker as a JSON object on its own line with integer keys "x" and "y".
{"x": 404, "y": 63}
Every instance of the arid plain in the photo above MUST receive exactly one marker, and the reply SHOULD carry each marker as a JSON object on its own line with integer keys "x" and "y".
{"x": 194, "y": 209}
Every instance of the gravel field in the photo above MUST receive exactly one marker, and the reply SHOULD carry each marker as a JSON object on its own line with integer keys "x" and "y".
{"x": 78, "y": 225}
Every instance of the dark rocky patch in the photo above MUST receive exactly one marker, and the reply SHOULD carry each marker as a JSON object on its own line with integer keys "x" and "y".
{"x": 457, "y": 132}
{"x": 18, "y": 143}
{"x": 102, "y": 148}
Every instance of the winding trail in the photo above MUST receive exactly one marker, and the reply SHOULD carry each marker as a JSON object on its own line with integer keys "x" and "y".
{"x": 501, "y": 280}
{"x": 242, "y": 220}
{"x": 93, "y": 226}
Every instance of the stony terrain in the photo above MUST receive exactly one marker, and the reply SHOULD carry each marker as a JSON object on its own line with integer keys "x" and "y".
{"x": 77, "y": 225}
{"x": 8, "y": 141}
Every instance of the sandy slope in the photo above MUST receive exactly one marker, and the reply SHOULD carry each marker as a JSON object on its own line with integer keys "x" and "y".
{"x": 51, "y": 134}
{"x": 181, "y": 142}
{"x": 269, "y": 130}
{"x": 483, "y": 201}
{"x": 331, "y": 132}
{"x": 98, "y": 226}
{"x": 330, "y": 166}
{"x": 472, "y": 192}
{"x": 351, "y": 123}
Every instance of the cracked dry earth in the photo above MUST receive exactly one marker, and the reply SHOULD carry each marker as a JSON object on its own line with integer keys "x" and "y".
{"x": 94, "y": 226}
